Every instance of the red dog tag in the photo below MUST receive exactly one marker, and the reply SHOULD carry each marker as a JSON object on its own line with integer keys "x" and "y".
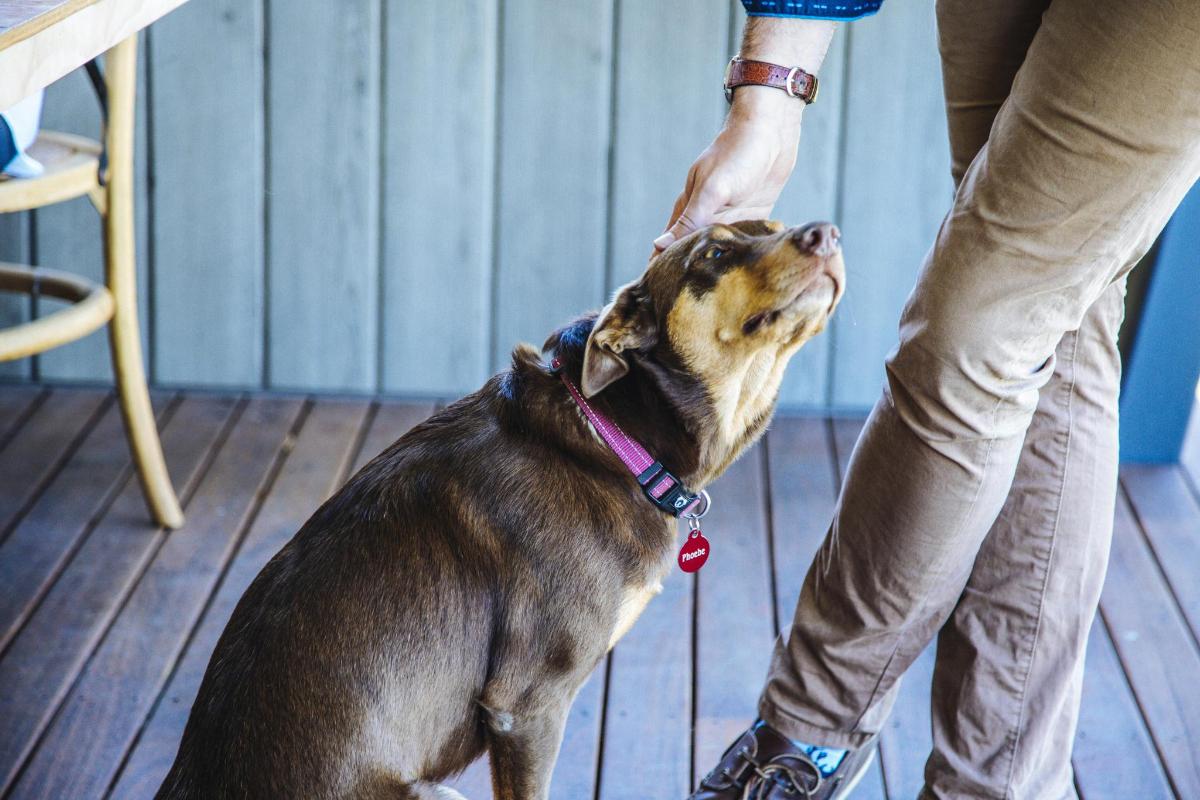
{"x": 694, "y": 552}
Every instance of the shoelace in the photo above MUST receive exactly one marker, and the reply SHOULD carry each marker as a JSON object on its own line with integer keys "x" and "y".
{"x": 768, "y": 776}
{"x": 774, "y": 773}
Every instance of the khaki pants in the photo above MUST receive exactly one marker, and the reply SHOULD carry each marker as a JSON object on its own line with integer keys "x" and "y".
{"x": 978, "y": 503}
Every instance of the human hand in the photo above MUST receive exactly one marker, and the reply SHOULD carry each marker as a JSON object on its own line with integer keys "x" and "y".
{"x": 741, "y": 174}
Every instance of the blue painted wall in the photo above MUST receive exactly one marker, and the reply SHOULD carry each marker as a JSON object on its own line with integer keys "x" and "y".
{"x": 1159, "y": 388}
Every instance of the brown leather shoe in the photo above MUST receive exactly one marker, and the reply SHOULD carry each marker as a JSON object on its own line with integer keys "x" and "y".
{"x": 763, "y": 764}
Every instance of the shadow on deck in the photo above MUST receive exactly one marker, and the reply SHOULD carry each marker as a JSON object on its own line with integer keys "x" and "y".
{"x": 106, "y": 623}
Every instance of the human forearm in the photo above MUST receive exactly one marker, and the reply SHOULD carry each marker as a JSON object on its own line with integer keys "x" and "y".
{"x": 793, "y": 41}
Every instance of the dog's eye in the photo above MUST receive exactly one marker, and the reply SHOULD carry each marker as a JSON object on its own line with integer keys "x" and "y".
{"x": 754, "y": 323}
{"x": 713, "y": 253}
{"x": 758, "y": 320}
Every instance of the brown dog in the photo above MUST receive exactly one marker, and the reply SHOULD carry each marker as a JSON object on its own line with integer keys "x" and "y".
{"x": 454, "y": 595}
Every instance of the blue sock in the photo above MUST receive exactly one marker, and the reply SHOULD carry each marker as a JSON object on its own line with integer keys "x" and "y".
{"x": 827, "y": 759}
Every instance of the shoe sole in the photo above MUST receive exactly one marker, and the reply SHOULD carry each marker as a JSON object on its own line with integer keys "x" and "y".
{"x": 856, "y": 779}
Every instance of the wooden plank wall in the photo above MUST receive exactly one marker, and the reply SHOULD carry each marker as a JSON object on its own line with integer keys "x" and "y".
{"x": 438, "y": 199}
{"x": 896, "y": 187}
{"x": 207, "y": 107}
{"x": 323, "y": 179}
{"x": 385, "y": 196}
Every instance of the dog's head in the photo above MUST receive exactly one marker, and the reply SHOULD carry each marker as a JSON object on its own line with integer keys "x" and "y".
{"x": 722, "y": 310}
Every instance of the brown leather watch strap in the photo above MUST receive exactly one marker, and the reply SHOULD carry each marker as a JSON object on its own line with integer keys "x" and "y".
{"x": 793, "y": 80}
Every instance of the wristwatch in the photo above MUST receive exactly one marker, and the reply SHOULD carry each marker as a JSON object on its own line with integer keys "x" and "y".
{"x": 793, "y": 80}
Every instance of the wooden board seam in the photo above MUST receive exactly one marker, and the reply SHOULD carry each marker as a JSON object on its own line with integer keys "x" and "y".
{"x": 101, "y": 508}
{"x": 185, "y": 495}
{"x": 1163, "y": 577}
{"x": 22, "y": 418}
{"x": 55, "y": 466}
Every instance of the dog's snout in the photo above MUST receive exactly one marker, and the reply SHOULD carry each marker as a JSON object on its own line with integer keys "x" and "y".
{"x": 818, "y": 238}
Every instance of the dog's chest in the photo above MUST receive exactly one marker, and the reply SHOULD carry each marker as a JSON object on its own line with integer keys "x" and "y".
{"x": 634, "y": 598}
{"x": 633, "y": 602}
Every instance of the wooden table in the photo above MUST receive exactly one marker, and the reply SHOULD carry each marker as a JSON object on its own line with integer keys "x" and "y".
{"x": 42, "y": 40}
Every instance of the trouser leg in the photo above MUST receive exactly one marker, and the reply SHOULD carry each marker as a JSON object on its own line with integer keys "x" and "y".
{"x": 1007, "y": 681}
{"x": 1007, "y": 678}
{"x": 982, "y": 46}
{"x": 1095, "y": 146}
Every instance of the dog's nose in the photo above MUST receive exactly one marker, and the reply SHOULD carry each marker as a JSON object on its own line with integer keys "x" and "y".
{"x": 818, "y": 238}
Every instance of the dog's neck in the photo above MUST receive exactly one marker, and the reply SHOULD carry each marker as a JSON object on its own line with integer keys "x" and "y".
{"x": 655, "y": 403}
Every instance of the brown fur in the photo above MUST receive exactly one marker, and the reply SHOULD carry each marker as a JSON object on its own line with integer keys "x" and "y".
{"x": 455, "y": 594}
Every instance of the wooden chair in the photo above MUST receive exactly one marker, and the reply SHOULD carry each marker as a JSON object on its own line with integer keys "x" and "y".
{"x": 75, "y": 167}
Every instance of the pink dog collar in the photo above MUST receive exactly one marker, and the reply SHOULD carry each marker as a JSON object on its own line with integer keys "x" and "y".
{"x": 660, "y": 486}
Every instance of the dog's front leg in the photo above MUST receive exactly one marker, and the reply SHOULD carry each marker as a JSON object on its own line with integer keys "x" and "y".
{"x": 523, "y": 750}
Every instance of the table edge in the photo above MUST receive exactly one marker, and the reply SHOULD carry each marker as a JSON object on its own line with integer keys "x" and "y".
{"x": 35, "y": 25}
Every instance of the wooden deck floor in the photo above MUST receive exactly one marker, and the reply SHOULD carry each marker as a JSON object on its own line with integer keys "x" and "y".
{"x": 106, "y": 623}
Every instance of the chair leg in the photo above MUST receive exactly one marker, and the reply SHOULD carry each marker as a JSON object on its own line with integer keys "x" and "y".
{"x": 120, "y": 261}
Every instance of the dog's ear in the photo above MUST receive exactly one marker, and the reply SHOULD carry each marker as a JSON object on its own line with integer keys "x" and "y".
{"x": 627, "y": 323}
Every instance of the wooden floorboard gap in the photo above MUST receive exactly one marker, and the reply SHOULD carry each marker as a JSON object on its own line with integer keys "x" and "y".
{"x": 765, "y": 454}
{"x": 52, "y": 471}
{"x": 12, "y": 621}
{"x": 74, "y": 665}
{"x": 124, "y": 674}
{"x": 1172, "y": 537}
{"x": 26, "y": 409}
{"x": 42, "y": 446}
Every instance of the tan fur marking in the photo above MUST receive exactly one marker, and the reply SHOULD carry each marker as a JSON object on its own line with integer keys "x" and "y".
{"x": 632, "y": 604}
{"x": 742, "y": 373}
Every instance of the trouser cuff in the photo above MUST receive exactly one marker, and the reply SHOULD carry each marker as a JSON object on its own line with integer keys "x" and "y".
{"x": 794, "y": 728}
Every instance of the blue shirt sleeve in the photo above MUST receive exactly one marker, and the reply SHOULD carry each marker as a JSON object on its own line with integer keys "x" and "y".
{"x": 812, "y": 9}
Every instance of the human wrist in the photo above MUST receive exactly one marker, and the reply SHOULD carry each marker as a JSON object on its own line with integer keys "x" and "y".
{"x": 772, "y": 46}
{"x": 788, "y": 42}
{"x": 765, "y": 105}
